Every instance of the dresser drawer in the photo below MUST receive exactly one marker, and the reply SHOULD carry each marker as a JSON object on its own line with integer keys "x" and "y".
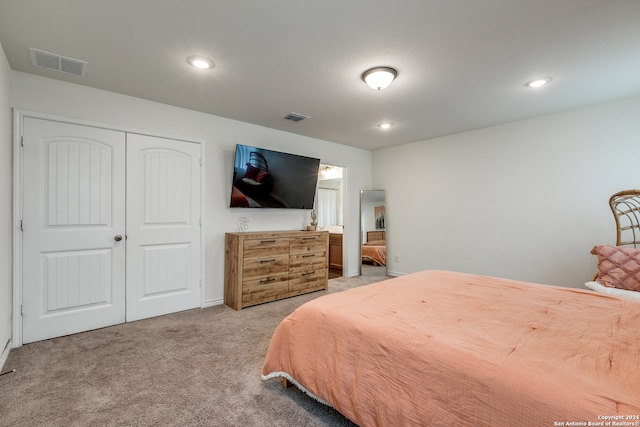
{"x": 308, "y": 261}
{"x": 265, "y": 289}
{"x": 307, "y": 281}
{"x": 306, "y": 244}
{"x": 262, "y": 267}
{"x": 258, "y": 248}
{"x": 335, "y": 238}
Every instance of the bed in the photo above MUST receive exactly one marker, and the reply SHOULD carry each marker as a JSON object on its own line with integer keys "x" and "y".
{"x": 619, "y": 264}
{"x": 374, "y": 250}
{"x": 445, "y": 348}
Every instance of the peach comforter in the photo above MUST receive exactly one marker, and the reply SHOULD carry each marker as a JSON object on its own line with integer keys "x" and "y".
{"x": 443, "y": 348}
{"x": 375, "y": 252}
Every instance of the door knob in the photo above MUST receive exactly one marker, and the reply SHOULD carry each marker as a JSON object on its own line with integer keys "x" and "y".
{"x": 117, "y": 238}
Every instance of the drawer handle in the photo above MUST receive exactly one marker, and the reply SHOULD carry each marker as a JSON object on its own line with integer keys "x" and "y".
{"x": 308, "y": 273}
{"x": 268, "y": 279}
{"x": 267, "y": 260}
{"x": 268, "y": 241}
{"x": 308, "y": 256}
{"x": 308, "y": 238}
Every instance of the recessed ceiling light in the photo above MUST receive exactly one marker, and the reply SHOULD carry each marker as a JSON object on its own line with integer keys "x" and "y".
{"x": 538, "y": 82}
{"x": 200, "y": 62}
{"x": 385, "y": 125}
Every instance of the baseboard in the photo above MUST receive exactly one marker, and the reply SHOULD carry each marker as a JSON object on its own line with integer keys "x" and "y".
{"x": 395, "y": 273}
{"x": 213, "y": 302}
{"x": 5, "y": 355}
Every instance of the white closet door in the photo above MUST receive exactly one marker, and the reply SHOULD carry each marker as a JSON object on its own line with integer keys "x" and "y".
{"x": 163, "y": 226}
{"x": 74, "y": 207}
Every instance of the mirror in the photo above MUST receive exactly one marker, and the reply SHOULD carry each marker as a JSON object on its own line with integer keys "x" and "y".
{"x": 373, "y": 233}
{"x": 330, "y": 214}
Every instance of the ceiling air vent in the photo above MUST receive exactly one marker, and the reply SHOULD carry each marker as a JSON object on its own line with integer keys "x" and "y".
{"x": 295, "y": 117}
{"x": 51, "y": 61}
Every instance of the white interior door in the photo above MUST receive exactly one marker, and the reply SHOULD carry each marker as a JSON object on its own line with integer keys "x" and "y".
{"x": 74, "y": 204}
{"x": 163, "y": 226}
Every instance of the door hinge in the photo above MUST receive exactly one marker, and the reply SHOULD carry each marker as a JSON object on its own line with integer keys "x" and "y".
{"x": 21, "y": 225}
{"x": 200, "y": 161}
{"x": 22, "y": 140}
{"x": 21, "y": 309}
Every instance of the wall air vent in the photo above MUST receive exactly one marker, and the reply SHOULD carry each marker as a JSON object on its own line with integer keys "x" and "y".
{"x": 51, "y": 61}
{"x": 295, "y": 117}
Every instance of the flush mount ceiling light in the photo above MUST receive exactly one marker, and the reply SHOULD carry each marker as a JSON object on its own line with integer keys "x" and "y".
{"x": 385, "y": 125}
{"x": 200, "y": 62}
{"x": 379, "y": 78}
{"x": 538, "y": 82}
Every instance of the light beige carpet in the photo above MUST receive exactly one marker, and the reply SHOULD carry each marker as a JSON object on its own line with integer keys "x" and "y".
{"x": 195, "y": 368}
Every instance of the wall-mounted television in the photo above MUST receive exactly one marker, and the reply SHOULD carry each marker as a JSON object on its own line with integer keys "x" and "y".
{"x": 271, "y": 179}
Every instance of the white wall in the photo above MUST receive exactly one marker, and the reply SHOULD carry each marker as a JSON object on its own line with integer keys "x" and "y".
{"x": 220, "y": 136}
{"x": 6, "y": 162}
{"x": 525, "y": 200}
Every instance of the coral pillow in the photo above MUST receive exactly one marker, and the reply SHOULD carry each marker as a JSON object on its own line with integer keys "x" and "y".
{"x": 618, "y": 267}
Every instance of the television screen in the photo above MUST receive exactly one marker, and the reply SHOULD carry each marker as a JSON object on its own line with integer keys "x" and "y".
{"x": 271, "y": 179}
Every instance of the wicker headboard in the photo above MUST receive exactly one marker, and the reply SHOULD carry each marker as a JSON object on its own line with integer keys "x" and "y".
{"x": 376, "y": 235}
{"x": 625, "y": 206}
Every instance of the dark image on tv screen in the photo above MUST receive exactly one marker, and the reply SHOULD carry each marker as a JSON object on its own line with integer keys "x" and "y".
{"x": 272, "y": 179}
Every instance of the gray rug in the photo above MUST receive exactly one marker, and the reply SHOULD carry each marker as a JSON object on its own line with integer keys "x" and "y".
{"x": 196, "y": 368}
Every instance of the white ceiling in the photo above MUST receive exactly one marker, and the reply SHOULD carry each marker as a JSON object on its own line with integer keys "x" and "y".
{"x": 461, "y": 63}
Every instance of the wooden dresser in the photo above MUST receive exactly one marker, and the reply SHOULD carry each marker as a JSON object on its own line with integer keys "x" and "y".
{"x": 335, "y": 255}
{"x": 270, "y": 265}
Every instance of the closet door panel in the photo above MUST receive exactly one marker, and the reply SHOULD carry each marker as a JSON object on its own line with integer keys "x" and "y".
{"x": 163, "y": 226}
{"x": 73, "y": 276}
